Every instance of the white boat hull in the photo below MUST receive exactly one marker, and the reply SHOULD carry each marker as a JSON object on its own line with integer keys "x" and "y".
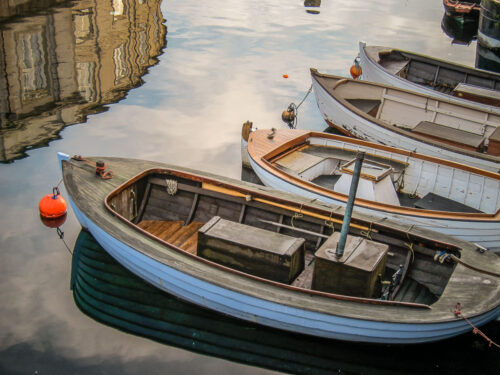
{"x": 336, "y": 114}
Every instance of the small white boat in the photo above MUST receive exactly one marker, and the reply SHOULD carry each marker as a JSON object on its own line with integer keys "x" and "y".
{"x": 409, "y": 120}
{"x": 266, "y": 256}
{"x": 413, "y": 189}
{"x": 430, "y": 76}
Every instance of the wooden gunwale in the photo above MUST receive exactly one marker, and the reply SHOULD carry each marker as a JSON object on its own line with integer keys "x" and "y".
{"x": 143, "y": 174}
{"x": 396, "y": 129}
{"x": 262, "y": 157}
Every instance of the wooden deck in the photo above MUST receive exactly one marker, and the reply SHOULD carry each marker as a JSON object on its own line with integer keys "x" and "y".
{"x": 174, "y": 232}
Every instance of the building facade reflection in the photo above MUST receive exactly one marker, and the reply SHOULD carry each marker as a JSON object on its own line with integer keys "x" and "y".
{"x": 58, "y": 66}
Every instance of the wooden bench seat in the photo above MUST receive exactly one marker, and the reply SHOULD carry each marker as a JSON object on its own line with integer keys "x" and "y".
{"x": 449, "y": 135}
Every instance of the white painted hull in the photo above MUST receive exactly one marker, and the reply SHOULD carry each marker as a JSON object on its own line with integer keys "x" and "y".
{"x": 483, "y": 233}
{"x": 342, "y": 117}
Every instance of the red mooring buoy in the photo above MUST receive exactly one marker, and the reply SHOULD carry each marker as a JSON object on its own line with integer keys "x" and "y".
{"x": 52, "y": 206}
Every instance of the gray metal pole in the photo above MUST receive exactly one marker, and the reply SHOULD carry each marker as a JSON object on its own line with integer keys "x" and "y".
{"x": 350, "y": 203}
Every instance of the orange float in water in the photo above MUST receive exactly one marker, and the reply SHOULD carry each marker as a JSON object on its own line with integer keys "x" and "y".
{"x": 52, "y": 206}
{"x": 285, "y": 75}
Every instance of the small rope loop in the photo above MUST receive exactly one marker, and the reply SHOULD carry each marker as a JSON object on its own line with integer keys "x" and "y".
{"x": 329, "y": 222}
{"x": 297, "y": 215}
{"x": 367, "y": 233}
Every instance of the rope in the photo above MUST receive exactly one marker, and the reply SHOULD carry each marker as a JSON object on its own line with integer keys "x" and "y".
{"x": 475, "y": 330}
{"x": 294, "y": 109}
{"x": 367, "y": 233}
{"x": 171, "y": 186}
{"x": 100, "y": 167}
{"x": 308, "y": 92}
{"x": 297, "y": 215}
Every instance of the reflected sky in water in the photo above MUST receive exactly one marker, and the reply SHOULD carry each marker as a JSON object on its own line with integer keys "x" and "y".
{"x": 223, "y": 64}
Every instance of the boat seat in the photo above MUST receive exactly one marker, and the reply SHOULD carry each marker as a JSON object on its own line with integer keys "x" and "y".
{"x": 449, "y": 135}
{"x": 480, "y": 94}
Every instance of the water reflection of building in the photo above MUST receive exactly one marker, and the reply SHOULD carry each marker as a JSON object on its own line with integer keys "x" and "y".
{"x": 60, "y": 66}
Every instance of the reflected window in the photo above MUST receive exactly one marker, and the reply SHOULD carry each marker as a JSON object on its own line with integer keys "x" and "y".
{"x": 117, "y": 8}
{"x": 143, "y": 47}
{"x": 120, "y": 59}
{"x": 82, "y": 25}
{"x": 85, "y": 73}
{"x": 32, "y": 64}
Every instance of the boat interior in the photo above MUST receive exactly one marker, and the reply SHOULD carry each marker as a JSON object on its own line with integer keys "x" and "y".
{"x": 468, "y": 128}
{"x": 441, "y": 77}
{"x": 396, "y": 180}
{"x": 283, "y": 242}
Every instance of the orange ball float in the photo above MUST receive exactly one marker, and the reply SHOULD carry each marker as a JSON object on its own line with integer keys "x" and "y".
{"x": 355, "y": 71}
{"x": 52, "y": 205}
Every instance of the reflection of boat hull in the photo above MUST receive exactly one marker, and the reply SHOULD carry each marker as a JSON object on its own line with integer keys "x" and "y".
{"x": 462, "y": 31}
{"x": 273, "y": 304}
{"x": 110, "y": 294}
{"x": 400, "y": 112}
{"x": 325, "y": 161}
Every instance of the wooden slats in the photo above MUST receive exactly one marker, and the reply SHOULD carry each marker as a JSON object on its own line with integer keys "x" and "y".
{"x": 174, "y": 232}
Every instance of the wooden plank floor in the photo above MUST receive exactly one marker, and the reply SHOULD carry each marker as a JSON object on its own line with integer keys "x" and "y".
{"x": 174, "y": 232}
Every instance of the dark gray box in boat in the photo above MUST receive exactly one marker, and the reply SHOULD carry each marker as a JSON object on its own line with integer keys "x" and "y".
{"x": 256, "y": 251}
{"x": 355, "y": 273}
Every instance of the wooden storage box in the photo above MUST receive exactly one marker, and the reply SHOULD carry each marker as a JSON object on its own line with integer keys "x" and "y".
{"x": 252, "y": 250}
{"x": 355, "y": 273}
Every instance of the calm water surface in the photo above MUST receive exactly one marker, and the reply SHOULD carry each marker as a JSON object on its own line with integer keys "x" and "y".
{"x": 173, "y": 82}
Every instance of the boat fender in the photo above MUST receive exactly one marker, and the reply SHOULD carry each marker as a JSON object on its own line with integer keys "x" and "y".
{"x": 52, "y": 206}
{"x": 356, "y": 70}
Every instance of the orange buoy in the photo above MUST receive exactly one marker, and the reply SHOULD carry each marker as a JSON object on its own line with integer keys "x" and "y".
{"x": 52, "y": 206}
{"x": 356, "y": 70}
{"x": 285, "y": 75}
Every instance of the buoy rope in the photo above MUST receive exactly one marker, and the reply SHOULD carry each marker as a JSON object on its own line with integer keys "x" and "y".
{"x": 308, "y": 92}
{"x": 99, "y": 169}
{"x": 475, "y": 330}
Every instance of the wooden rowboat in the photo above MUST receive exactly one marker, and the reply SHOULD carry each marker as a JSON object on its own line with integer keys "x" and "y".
{"x": 430, "y": 76}
{"x": 414, "y": 189}
{"x": 409, "y": 120}
{"x": 265, "y": 256}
